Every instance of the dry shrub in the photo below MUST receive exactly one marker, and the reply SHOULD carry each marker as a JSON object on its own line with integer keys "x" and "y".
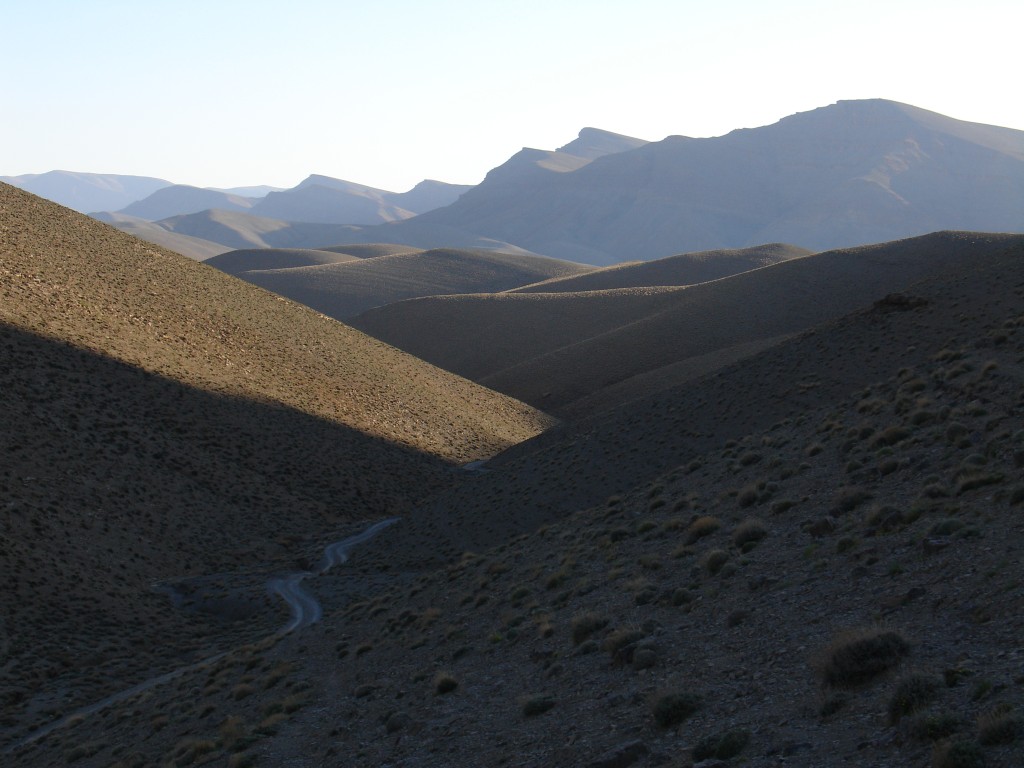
{"x": 858, "y": 656}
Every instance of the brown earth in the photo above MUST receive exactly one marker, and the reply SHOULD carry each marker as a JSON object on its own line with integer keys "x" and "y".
{"x": 717, "y": 542}
{"x": 675, "y": 580}
{"x": 163, "y": 421}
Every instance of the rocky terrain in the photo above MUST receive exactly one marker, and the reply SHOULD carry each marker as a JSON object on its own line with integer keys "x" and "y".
{"x": 805, "y": 555}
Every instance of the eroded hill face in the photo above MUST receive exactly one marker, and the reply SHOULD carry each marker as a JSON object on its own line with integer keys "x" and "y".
{"x": 812, "y": 555}
{"x": 163, "y": 421}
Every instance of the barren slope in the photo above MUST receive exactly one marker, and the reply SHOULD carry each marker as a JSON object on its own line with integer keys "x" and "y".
{"x": 162, "y": 420}
{"x": 711, "y": 544}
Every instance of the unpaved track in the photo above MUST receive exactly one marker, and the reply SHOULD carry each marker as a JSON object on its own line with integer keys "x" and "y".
{"x": 305, "y": 611}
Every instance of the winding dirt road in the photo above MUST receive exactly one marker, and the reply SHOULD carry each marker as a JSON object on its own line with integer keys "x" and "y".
{"x": 305, "y": 610}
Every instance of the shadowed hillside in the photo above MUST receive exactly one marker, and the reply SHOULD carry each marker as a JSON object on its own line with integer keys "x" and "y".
{"x": 593, "y": 348}
{"x": 163, "y": 422}
{"x": 343, "y": 290}
{"x": 237, "y": 262}
{"x": 808, "y": 559}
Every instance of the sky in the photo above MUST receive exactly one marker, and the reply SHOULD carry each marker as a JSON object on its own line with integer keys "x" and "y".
{"x": 388, "y": 92}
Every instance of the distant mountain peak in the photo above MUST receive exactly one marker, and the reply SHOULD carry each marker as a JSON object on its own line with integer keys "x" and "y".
{"x": 592, "y": 143}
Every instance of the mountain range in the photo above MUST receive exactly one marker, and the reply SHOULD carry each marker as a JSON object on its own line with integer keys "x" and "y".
{"x": 713, "y": 507}
{"x": 851, "y": 173}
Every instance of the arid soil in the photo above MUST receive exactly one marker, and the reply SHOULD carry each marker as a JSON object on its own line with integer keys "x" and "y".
{"x": 809, "y": 557}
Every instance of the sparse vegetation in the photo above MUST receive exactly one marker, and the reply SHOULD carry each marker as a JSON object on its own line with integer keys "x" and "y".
{"x": 912, "y": 692}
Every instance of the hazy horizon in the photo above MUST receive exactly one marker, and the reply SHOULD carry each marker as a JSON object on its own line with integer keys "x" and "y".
{"x": 388, "y": 94}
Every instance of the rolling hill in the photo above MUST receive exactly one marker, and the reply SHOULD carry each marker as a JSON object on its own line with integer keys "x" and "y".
{"x": 238, "y": 262}
{"x": 163, "y": 421}
{"x": 852, "y": 173}
{"x": 234, "y": 230}
{"x": 342, "y": 288}
{"x": 684, "y": 269}
{"x": 556, "y": 350}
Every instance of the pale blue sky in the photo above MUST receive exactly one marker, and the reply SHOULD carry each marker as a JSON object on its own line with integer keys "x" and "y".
{"x": 227, "y": 93}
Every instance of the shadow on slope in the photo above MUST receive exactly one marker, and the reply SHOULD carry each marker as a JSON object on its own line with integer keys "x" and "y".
{"x": 114, "y": 478}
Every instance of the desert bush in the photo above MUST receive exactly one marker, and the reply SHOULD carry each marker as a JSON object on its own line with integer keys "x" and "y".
{"x": 747, "y": 496}
{"x": 701, "y": 527}
{"x": 584, "y": 624}
{"x": 890, "y": 436}
{"x": 722, "y": 746}
{"x": 973, "y": 480}
{"x": 783, "y": 505}
{"x": 532, "y": 706}
{"x": 670, "y": 708}
{"x": 999, "y": 726}
{"x": 233, "y": 733}
{"x": 444, "y": 683}
{"x": 861, "y": 655}
{"x": 935, "y": 726}
{"x": 749, "y": 531}
{"x": 713, "y": 560}
{"x": 621, "y": 638}
{"x": 912, "y": 692}
{"x": 849, "y": 498}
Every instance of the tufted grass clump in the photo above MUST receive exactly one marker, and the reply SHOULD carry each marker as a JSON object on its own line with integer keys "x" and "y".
{"x": 585, "y": 624}
{"x": 713, "y": 560}
{"x": 849, "y": 498}
{"x": 670, "y": 708}
{"x": 913, "y": 691}
{"x": 750, "y": 531}
{"x": 861, "y": 655}
{"x": 701, "y": 527}
{"x": 1001, "y": 725}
